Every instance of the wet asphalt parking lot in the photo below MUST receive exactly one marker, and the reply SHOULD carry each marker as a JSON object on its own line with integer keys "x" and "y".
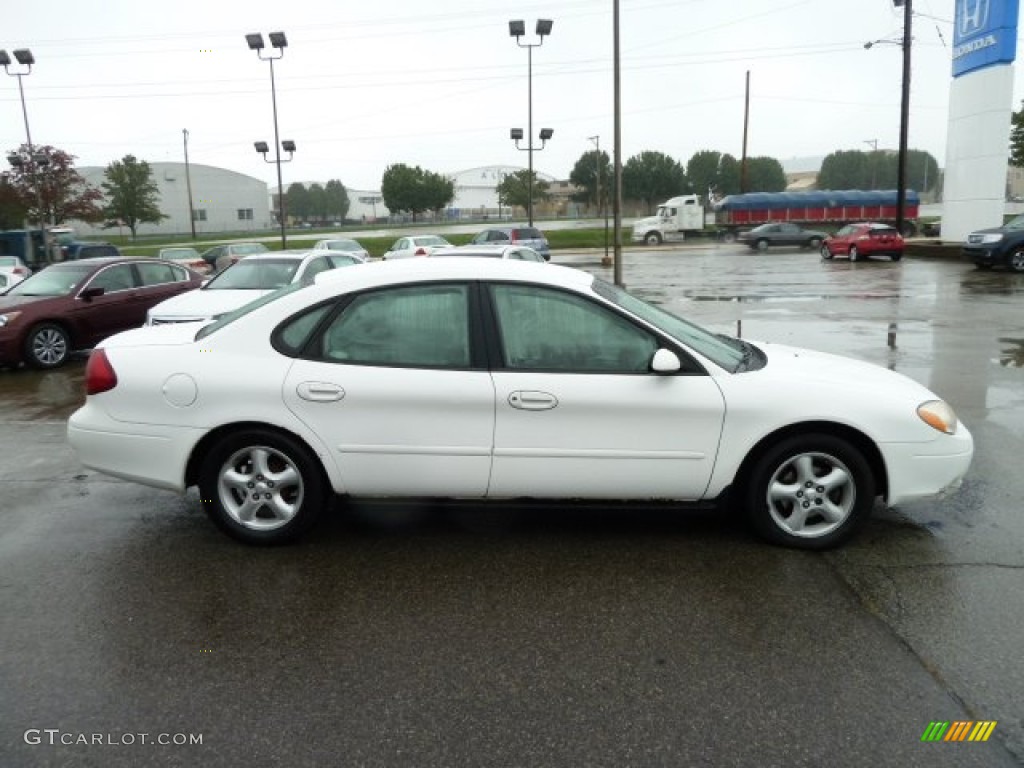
{"x": 460, "y": 636}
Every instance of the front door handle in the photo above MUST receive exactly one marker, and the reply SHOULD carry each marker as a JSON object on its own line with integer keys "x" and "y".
{"x": 532, "y": 400}
{"x": 320, "y": 392}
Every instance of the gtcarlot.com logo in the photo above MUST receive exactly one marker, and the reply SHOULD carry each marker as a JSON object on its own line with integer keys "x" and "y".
{"x": 55, "y": 736}
{"x": 959, "y": 730}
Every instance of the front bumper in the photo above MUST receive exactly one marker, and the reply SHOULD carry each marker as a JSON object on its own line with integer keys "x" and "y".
{"x": 926, "y": 470}
{"x": 981, "y": 255}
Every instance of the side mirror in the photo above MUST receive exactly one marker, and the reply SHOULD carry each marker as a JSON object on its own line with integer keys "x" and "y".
{"x": 665, "y": 361}
{"x": 91, "y": 293}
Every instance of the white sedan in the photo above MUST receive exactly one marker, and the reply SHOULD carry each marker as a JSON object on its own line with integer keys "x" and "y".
{"x": 415, "y": 245}
{"x": 343, "y": 246}
{"x": 498, "y": 379}
{"x": 242, "y": 282}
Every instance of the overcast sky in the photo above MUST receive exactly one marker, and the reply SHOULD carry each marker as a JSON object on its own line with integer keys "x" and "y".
{"x": 438, "y": 84}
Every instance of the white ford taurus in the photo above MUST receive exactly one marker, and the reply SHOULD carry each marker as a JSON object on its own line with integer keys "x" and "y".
{"x": 484, "y": 379}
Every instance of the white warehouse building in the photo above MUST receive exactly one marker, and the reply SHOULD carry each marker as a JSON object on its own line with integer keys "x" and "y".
{"x": 223, "y": 200}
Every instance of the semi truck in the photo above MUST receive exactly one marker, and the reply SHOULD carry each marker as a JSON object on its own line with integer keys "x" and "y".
{"x": 686, "y": 215}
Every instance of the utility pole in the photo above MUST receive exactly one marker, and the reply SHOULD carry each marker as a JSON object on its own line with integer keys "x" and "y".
{"x": 188, "y": 184}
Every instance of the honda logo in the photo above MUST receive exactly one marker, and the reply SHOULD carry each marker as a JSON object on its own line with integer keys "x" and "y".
{"x": 973, "y": 17}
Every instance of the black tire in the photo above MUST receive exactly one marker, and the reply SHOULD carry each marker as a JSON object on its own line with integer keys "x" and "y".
{"x": 652, "y": 238}
{"x": 1015, "y": 261}
{"x": 728, "y": 236}
{"x": 897, "y": 256}
{"x": 854, "y": 253}
{"x": 825, "y": 252}
{"x": 47, "y": 346}
{"x": 805, "y": 510}
{"x": 761, "y": 245}
{"x": 291, "y": 482}
{"x": 814, "y": 243}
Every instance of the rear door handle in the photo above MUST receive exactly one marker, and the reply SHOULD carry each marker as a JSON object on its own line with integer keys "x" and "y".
{"x": 531, "y": 400}
{"x": 320, "y": 392}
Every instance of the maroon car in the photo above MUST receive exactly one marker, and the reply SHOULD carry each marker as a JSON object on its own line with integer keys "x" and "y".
{"x": 73, "y": 305}
{"x": 864, "y": 240}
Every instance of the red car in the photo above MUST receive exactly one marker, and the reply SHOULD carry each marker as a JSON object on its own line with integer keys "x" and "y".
{"x": 864, "y": 240}
{"x": 75, "y": 304}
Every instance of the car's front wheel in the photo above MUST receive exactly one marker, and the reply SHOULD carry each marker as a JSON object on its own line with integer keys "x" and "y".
{"x": 1016, "y": 260}
{"x": 761, "y": 245}
{"x": 810, "y": 492}
{"x": 47, "y": 346}
{"x": 262, "y": 487}
{"x": 652, "y": 238}
{"x": 814, "y": 243}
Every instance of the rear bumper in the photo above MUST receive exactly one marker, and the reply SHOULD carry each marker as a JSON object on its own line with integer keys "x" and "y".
{"x": 154, "y": 455}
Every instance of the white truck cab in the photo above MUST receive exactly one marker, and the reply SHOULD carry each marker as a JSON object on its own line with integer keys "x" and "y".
{"x": 675, "y": 217}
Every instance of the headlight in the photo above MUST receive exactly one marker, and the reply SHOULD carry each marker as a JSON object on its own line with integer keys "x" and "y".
{"x": 939, "y": 415}
{"x": 8, "y": 318}
{"x": 992, "y": 237}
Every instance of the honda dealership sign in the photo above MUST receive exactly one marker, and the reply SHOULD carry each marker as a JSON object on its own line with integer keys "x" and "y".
{"x": 984, "y": 33}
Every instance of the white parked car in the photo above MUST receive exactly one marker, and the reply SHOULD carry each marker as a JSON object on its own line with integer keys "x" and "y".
{"x": 496, "y": 379}
{"x": 416, "y": 245}
{"x": 187, "y": 257}
{"x": 242, "y": 282}
{"x": 343, "y": 246}
{"x": 12, "y": 270}
{"x": 514, "y": 252}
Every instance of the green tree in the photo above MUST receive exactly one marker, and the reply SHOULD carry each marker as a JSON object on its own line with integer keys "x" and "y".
{"x": 297, "y": 201}
{"x": 728, "y": 176}
{"x": 132, "y": 196}
{"x": 1017, "y": 138}
{"x": 12, "y": 209}
{"x": 317, "y": 202}
{"x": 48, "y": 175}
{"x": 514, "y": 189}
{"x": 592, "y": 173}
{"x": 412, "y": 189}
{"x": 879, "y": 169}
{"x": 765, "y": 174}
{"x": 337, "y": 201}
{"x": 703, "y": 172}
{"x": 652, "y": 177}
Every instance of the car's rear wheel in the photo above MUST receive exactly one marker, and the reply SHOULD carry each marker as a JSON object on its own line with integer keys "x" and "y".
{"x": 652, "y": 238}
{"x": 1016, "y": 260}
{"x": 262, "y": 487}
{"x": 728, "y": 236}
{"x": 826, "y": 253}
{"x": 814, "y": 243}
{"x": 810, "y": 492}
{"x": 854, "y": 253}
{"x": 47, "y": 346}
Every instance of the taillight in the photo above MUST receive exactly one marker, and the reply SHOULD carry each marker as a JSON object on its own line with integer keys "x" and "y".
{"x": 514, "y": 237}
{"x": 420, "y": 252}
{"x": 20, "y": 271}
{"x": 99, "y": 373}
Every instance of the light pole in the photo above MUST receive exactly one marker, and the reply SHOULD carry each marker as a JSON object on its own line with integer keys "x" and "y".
{"x": 279, "y": 42}
{"x": 289, "y": 147}
{"x": 901, "y": 165}
{"x": 188, "y": 186}
{"x": 874, "y": 148}
{"x": 25, "y": 58}
{"x": 600, "y": 201}
{"x": 516, "y": 134}
{"x": 517, "y": 29}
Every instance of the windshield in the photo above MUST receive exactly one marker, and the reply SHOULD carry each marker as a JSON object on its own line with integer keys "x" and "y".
{"x": 430, "y": 240}
{"x": 255, "y": 274}
{"x": 247, "y": 248}
{"x": 724, "y": 352}
{"x": 52, "y": 281}
{"x": 179, "y": 253}
{"x": 343, "y": 245}
{"x": 229, "y": 317}
{"x": 1017, "y": 222}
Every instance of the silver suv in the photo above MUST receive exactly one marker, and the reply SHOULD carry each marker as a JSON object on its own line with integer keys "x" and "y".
{"x": 531, "y": 237}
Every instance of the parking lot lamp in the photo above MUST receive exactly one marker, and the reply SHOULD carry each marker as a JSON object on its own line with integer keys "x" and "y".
{"x": 289, "y": 147}
{"x": 279, "y": 42}
{"x": 517, "y": 29}
{"x": 25, "y": 59}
